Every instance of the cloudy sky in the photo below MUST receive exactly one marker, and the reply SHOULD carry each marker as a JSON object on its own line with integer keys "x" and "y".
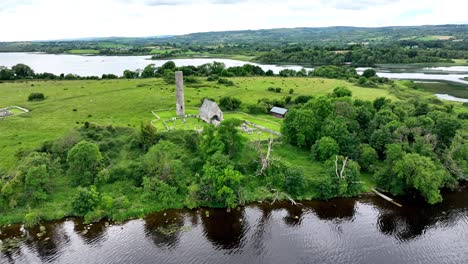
{"x": 60, "y": 19}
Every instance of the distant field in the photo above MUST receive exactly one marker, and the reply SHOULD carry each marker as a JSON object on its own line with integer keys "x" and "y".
{"x": 429, "y": 38}
{"x": 83, "y": 51}
{"x": 161, "y": 51}
{"x": 129, "y": 102}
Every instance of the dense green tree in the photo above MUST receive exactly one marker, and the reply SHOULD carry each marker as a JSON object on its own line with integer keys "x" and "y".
{"x": 210, "y": 142}
{"x": 22, "y": 71}
{"x": 367, "y": 157}
{"x": 6, "y": 74}
{"x": 149, "y": 71}
{"x": 170, "y": 65}
{"x": 156, "y": 190}
{"x": 147, "y": 136}
{"x": 229, "y": 103}
{"x": 164, "y": 161}
{"x": 385, "y": 177}
{"x": 84, "y": 160}
{"x": 445, "y": 127}
{"x": 379, "y": 140}
{"x": 340, "y": 181}
{"x": 369, "y": 73}
{"x": 337, "y": 128}
{"x": 36, "y": 173}
{"x": 128, "y": 74}
{"x": 300, "y": 127}
{"x": 231, "y": 138}
{"x": 341, "y": 92}
{"x": 422, "y": 174}
{"x": 380, "y": 102}
{"x": 325, "y": 148}
{"x": 86, "y": 200}
{"x": 220, "y": 188}
{"x": 322, "y": 107}
{"x": 294, "y": 182}
{"x": 455, "y": 158}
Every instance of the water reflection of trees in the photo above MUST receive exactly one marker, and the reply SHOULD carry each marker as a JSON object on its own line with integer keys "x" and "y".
{"x": 93, "y": 234}
{"x": 336, "y": 210}
{"x": 414, "y": 218}
{"x": 48, "y": 244}
{"x": 44, "y": 245}
{"x": 225, "y": 230}
{"x": 164, "y": 228}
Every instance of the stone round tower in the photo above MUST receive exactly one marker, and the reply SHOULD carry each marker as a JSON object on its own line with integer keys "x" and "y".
{"x": 180, "y": 102}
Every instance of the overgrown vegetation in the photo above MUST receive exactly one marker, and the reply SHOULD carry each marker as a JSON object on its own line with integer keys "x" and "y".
{"x": 129, "y": 168}
{"x": 404, "y": 143}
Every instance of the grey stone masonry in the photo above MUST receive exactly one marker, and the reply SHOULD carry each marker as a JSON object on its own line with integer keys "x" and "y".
{"x": 5, "y": 113}
{"x": 210, "y": 112}
{"x": 180, "y": 103}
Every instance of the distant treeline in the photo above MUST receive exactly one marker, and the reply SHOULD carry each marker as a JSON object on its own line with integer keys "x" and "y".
{"x": 361, "y": 56}
{"x": 305, "y": 46}
{"x": 215, "y": 71}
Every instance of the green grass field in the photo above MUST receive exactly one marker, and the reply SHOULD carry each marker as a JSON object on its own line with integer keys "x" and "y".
{"x": 129, "y": 102}
{"x": 83, "y": 51}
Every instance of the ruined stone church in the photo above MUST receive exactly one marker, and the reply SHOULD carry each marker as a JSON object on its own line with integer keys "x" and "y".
{"x": 209, "y": 111}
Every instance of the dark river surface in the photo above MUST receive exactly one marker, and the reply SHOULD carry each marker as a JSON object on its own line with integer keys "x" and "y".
{"x": 361, "y": 230}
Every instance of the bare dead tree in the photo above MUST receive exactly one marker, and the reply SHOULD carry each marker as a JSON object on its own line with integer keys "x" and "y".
{"x": 278, "y": 195}
{"x": 343, "y": 166}
{"x": 265, "y": 157}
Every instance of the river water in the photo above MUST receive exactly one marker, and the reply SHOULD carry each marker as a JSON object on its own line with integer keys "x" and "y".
{"x": 98, "y": 65}
{"x": 361, "y": 230}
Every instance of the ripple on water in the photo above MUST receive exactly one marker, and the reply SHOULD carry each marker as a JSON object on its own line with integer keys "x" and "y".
{"x": 365, "y": 230}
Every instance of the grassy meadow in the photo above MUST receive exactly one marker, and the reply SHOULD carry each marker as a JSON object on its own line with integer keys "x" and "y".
{"x": 127, "y": 103}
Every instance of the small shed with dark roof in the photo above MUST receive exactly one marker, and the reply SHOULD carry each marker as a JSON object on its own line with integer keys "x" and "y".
{"x": 278, "y": 112}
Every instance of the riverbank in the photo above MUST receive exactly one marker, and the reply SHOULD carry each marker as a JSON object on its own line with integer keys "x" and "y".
{"x": 110, "y": 113}
{"x": 256, "y": 233}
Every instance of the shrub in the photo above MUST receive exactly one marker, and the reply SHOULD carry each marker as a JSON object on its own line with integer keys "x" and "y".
{"x": 278, "y": 90}
{"x": 271, "y": 89}
{"x": 86, "y": 200}
{"x": 36, "y": 97}
{"x": 367, "y": 158}
{"x": 31, "y": 219}
{"x": 84, "y": 160}
{"x": 191, "y": 79}
{"x": 302, "y": 99}
{"x": 229, "y": 103}
{"x": 94, "y": 216}
{"x": 294, "y": 182}
{"x": 341, "y": 92}
{"x": 257, "y": 109}
{"x": 212, "y": 78}
{"x": 155, "y": 189}
{"x": 225, "y": 82}
{"x": 368, "y": 73}
{"x": 463, "y": 116}
{"x": 291, "y": 91}
{"x": 169, "y": 78}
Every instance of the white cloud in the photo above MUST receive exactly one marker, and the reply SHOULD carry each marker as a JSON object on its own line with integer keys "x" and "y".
{"x": 57, "y": 19}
